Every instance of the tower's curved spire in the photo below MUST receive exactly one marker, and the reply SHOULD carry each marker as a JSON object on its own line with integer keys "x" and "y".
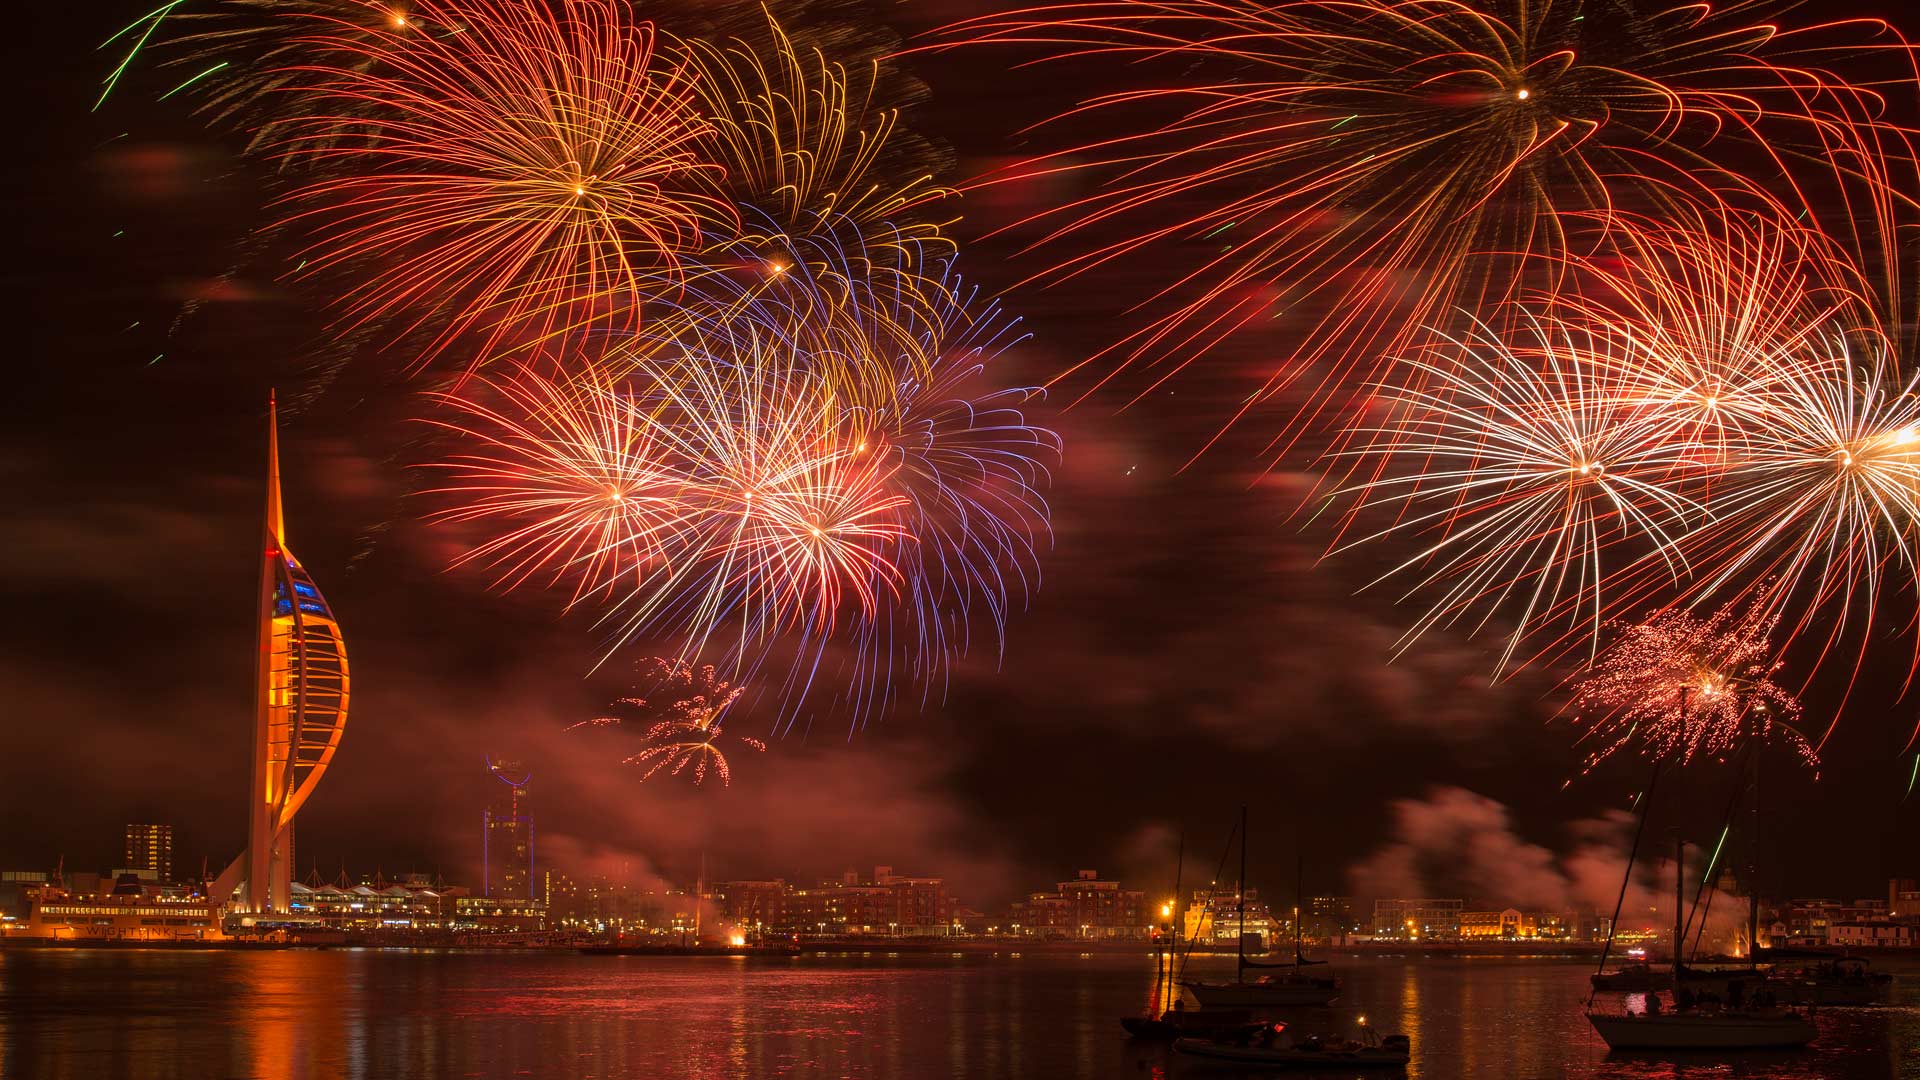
{"x": 276, "y": 516}
{"x": 300, "y": 706}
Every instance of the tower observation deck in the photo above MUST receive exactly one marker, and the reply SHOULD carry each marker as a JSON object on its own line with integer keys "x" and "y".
{"x": 300, "y": 710}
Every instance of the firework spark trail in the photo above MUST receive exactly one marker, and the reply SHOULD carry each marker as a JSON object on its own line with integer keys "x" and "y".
{"x": 244, "y": 57}
{"x": 809, "y": 158}
{"x": 1680, "y": 685}
{"x": 1526, "y": 463}
{"x": 799, "y": 515}
{"x": 1711, "y": 313}
{"x": 958, "y": 466}
{"x": 581, "y": 476}
{"x": 683, "y": 709}
{"x": 1288, "y": 132}
{"x": 972, "y": 466}
{"x": 1820, "y": 514}
{"x": 532, "y": 172}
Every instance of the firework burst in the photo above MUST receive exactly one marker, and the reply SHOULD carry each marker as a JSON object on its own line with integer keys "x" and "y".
{"x": 973, "y": 466}
{"x": 1364, "y": 168}
{"x": 1521, "y": 467}
{"x": 1820, "y": 516}
{"x": 1680, "y": 686}
{"x": 771, "y": 480}
{"x": 575, "y": 473}
{"x": 811, "y": 160}
{"x": 1714, "y": 316}
{"x": 1751, "y": 344}
{"x": 535, "y": 170}
{"x": 682, "y": 708}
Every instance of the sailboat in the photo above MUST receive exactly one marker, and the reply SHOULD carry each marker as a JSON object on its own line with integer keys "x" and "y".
{"x": 1288, "y": 984}
{"x": 1690, "y": 1025}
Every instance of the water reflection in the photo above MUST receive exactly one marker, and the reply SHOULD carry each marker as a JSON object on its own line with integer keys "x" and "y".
{"x": 358, "y": 1015}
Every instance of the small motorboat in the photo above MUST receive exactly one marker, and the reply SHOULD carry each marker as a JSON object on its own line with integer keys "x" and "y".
{"x": 1632, "y": 978}
{"x": 1640, "y": 977}
{"x": 1840, "y": 981}
{"x": 1267, "y": 1045}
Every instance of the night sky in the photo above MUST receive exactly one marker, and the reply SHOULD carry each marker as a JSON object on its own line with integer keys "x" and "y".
{"x": 1188, "y": 652}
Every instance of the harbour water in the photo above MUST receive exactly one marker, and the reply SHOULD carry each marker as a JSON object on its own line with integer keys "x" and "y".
{"x": 351, "y": 1014}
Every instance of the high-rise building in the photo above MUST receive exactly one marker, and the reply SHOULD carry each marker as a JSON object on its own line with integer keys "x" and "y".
{"x": 506, "y": 834}
{"x": 150, "y": 849}
{"x": 300, "y": 708}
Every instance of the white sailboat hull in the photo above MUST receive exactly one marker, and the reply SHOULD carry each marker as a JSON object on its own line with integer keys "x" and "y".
{"x": 1703, "y": 1031}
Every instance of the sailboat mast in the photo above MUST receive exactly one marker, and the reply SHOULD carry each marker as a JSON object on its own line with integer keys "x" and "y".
{"x": 1679, "y": 902}
{"x": 1240, "y": 906}
{"x": 1679, "y": 877}
{"x": 1753, "y": 856}
{"x": 1164, "y": 956}
{"x": 1299, "y": 876}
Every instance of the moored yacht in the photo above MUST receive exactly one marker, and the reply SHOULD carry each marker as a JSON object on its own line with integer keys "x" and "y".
{"x": 1287, "y": 984}
{"x": 1279, "y": 988}
{"x": 1689, "y": 1025}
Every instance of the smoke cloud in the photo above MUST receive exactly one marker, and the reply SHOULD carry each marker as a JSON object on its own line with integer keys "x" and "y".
{"x": 1456, "y": 843}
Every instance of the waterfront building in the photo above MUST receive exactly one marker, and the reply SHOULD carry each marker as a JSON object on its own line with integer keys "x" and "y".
{"x": 1089, "y": 907}
{"x": 922, "y": 906}
{"x": 300, "y": 710}
{"x": 1328, "y": 917}
{"x": 1863, "y": 923}
{"x": 369, "y": 906}
{"x": 1871, "y": 934}
{"x": 1810, "y": 921}
{"x": 149, "y": 851}
{"x": 602, "y": 904}
{"x": 1417, "y": 919}
{"x": 1512, "y": 924}
{"x": 887, "y": 904}
{"x": 845, "y": 907}
{"x": 498, "y": 914}
{"x": 757, "y": 908}
{"x": 1219, "y": 918}
{"x": 15, "y": 887}
{"x": 560, "y": 893}
{"x": 1903, "y": 897}
{"x": 506, "y": 834}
